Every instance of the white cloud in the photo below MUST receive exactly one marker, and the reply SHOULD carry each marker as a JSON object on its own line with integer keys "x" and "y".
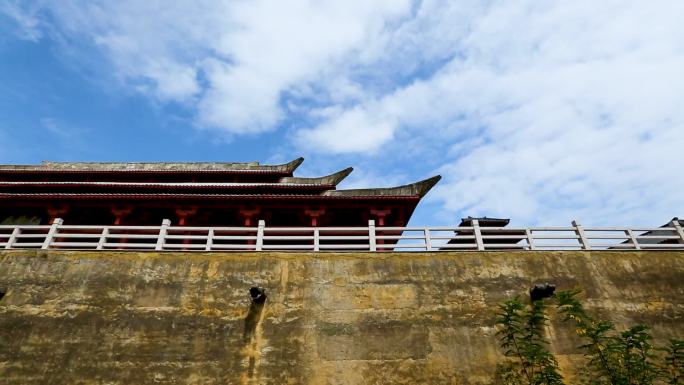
{"x": 536, "y": 110}
{"x": 550, "y": 110}
{"x": 350, "y": 131}
{"x": 26, "y": 19}
{"x": 232, "y": 60}
{"x": 52, "y": 126}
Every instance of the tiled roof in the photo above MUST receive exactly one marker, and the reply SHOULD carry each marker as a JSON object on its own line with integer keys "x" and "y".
{"x": 323, "y": 187}
{"x": 48, "y": 166}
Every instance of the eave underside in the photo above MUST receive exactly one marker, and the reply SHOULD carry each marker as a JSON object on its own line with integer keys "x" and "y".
{"x": 209, "y": 210}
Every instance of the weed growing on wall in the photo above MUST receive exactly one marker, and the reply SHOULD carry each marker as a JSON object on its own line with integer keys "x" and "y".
{"x": 522, "y": 338}
{"x": 612, "y": 357}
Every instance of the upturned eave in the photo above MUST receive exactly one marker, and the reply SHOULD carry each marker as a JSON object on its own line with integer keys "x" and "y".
{"x": 418, "y": 189}
{"x": 330, "y": 180}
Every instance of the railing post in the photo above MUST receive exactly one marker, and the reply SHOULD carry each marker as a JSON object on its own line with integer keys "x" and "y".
{"x": 260, "y": 235}
{"x": 371, "y": 236}
{"x": 317, "y": 240}
{"x": 13, "y": 237}
{"x": 103, "y": 238}
{"x": 478, "y": 234}
{"x": 678, "y": 228}
{"x": 579, "y": 230}
{"x": 210, "y": 240}
{"x": 633, "y": 239}
{"x": 428, "y": 240}
{"x": 530, "y": 239}
{"x": 162, "y": 234}
{"x": 51, "y": 233}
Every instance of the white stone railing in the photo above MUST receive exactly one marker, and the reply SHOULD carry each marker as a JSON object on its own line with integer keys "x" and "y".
{"x": 369, "y": 238}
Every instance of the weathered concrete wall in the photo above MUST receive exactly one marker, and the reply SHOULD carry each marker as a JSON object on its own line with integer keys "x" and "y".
{"x": 174, "y": 318}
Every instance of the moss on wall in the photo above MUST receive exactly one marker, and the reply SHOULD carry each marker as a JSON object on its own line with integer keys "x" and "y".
{"x": 352, "y": 318}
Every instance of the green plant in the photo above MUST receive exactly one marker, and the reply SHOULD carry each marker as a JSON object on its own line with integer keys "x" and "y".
{"x": 626, "y": 358}
{"x": 623, "y": 359}
{"x": 522, "y": 337}
{"x": 672, "y": 368}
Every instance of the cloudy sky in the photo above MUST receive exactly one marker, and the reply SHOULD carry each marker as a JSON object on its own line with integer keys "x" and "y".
{"x": 541, "y": 111}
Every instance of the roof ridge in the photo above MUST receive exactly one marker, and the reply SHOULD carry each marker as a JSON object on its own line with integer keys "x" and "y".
{"x": 45, "y": 165}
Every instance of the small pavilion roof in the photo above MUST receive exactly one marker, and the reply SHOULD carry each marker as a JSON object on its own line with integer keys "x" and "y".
{"x": 488, "y": 222}
{"x": 660, "y": 233}
{"x": 485, "y": 222}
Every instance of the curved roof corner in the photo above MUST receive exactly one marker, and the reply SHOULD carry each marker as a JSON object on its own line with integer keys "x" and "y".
{"x": 332, "y": 179}
{"x": 414, "y": 189}
{"x": 290, "y": 166}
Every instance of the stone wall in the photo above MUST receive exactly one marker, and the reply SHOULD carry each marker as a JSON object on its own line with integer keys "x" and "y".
{"x": 357, "y": 318}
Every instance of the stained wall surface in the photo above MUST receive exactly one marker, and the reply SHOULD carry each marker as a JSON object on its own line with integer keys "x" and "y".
{"x": 357, "y": 318}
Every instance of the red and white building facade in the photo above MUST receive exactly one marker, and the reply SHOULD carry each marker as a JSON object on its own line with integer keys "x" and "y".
{"x": 196, "y": 194}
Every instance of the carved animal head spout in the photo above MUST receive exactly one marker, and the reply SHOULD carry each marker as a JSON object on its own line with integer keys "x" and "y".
{"x": 541, "y": 291}
{"x": 258, "y": 294}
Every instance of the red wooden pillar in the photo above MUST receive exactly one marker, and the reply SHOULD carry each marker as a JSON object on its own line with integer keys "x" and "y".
{"x": 120, "y": 212}
{"x": 380, "y": 222}
{"x": 55, "y": 212}
{"x": 380, "y": 216}
{"x": 313, "y": 216}
{"x": 182, "y": 214}
{"x": 249, "y": 218}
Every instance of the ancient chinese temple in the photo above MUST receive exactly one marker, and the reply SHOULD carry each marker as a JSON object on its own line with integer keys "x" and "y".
{"x": 196, "y": 194}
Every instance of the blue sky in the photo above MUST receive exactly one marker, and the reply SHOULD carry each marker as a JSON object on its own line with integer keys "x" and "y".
{"x": 539, "y": 111}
